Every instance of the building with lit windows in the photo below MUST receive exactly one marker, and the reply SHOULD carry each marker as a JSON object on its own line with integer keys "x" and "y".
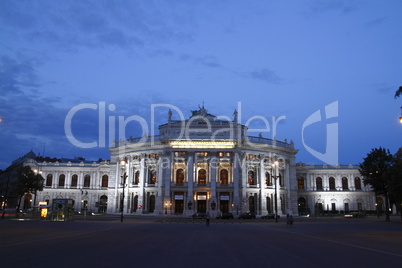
{"x": 202, "y": 164}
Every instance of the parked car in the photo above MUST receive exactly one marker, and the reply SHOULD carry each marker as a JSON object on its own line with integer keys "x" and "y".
{"x": 247, "y": 215}
{"x": 270, "y": 216}
{"x": 225, "y": 215}
{"x": 199, "y": 215}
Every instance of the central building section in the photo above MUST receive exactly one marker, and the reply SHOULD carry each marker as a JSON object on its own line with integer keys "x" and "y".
{"x": 206, "y": 165}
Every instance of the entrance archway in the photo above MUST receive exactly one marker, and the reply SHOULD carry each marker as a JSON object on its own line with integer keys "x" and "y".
{"x": 103, "y": 204}
{"x": 251, "y": 204}
{"x": 151, "y": 203}
{"x": 301, "y": 202}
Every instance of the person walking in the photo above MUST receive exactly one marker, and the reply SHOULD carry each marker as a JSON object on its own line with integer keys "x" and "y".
{"x": 207, "y": 219}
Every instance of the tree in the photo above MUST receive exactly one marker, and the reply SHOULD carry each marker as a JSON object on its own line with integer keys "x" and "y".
{"x": 398, "y": 92}
{"x": 376, "y": 170}
{"x": 395, "y": 189}
{"x": 28, "y": 182}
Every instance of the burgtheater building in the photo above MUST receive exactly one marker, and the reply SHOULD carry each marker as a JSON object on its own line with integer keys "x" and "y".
{"x": 202, "y": 164}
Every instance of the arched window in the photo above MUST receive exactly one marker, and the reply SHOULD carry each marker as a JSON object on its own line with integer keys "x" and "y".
{"x": 300, "y": 183}
{"x": 49, "y": 180}
{"x": 224, "y": 177}
{"x": 268, "y": 179}
{"x": 202, "y": 176}
{"x": 179, "y": 176}
{"x": 137, "y": 177}
{"x": 251, "y": 177}
{"x": 105, "y": 181}
{"x": 87, "y": 181}
{"x": 358, "y": 183}
{"x": 332, "y": 184}
{"x": 152, "y": 177}
{"x": 345, "y": 185}
{"x": 62, "y": 180}
{"x": 318, "y": 183}
{"x": 74, "y": 181}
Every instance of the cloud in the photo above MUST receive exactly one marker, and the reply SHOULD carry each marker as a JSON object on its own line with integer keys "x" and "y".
{"x": 318, "y": 7}
{"x": 96, "y": 24}
{"x": 15, "y": 74}
{"x": 208, "y": 61}
{"x": 375, "y": 22}
{"x": 265, "y": 75}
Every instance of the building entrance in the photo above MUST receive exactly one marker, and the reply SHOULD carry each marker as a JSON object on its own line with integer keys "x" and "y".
{"x": 224, "y": 206}
{"x": 202, "y": 206}
{"x": 178, "y": 206}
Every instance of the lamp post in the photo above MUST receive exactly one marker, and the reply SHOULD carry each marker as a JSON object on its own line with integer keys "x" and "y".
{"x": 273, "y": 171}
{"x": 124, "y": 176}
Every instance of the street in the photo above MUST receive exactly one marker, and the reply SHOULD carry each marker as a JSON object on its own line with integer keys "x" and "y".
{"x": 150, "y": 242}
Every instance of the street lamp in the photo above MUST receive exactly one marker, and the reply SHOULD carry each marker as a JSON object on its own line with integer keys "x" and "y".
{"x": 400, "y": 118}
{"x": 123, "y": 165}
{"x": 273, "y": 172}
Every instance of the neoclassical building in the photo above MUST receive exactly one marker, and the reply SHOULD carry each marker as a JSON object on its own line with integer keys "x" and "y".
{"x": 202, "y": 164}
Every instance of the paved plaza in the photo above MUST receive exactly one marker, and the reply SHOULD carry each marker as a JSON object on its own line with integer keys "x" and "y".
{"x": 176, "y": 242}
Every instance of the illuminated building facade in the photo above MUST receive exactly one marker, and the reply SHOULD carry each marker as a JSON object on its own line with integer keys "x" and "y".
{"x": 203, "y": 164}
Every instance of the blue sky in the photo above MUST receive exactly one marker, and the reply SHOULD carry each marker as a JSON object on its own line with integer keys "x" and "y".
{"x": 271, "y": 58}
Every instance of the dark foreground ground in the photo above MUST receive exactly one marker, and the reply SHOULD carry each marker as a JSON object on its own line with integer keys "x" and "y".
{"x": 168, "y": 242}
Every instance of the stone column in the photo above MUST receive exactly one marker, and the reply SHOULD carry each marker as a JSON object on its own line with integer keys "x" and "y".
{"x": 236, "y": 184}
{"x": 213, "y": 163}
{"x": 190, "y": 183}
{"x": 126, "y": 187}
{"x": 244, "y": 183}
{"x": 116, "y": 186}
{"x": 158, "y": 205}
{"x": 141, "y": 185}
{"x": 262, "y": 198}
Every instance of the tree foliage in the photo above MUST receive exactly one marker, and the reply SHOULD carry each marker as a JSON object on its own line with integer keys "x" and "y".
{"x": 376, "y": 170}
{"x": 398, "y": 92}
{"x": 395, "y": 186}
{"x": 28, "y": 181}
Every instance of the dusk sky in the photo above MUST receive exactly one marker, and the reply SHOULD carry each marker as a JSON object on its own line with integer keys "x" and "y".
{"x": 285, "y": 59}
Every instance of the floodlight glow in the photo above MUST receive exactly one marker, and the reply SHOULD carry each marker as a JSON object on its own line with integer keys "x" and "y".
{"x": 203, "y": 144}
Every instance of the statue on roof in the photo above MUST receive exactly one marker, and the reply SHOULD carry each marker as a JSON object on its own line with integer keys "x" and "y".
{"x": 169, "y": 115}
{"x": 201, "y": 111}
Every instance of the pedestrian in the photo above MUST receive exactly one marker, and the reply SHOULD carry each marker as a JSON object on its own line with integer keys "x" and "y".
{"x": 207, "y": 219}
{"x": 287, "y": 220}
{"x": 291, "y": 220}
